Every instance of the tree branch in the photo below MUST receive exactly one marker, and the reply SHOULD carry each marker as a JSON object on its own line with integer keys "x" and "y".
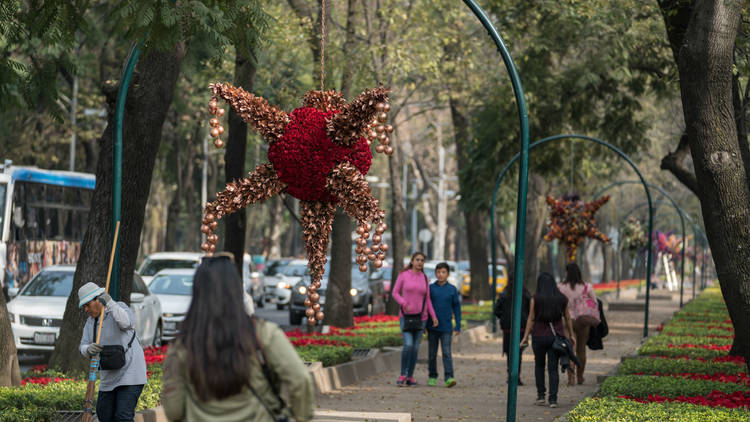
{"x": 673, "y": 162}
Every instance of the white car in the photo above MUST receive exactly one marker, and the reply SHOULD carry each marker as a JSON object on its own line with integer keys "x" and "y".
{"x": 279, "y": 286}
{"x": 158, "y": 261}
{"x": 174, "y": 288}
{"x": 36, "y": 313}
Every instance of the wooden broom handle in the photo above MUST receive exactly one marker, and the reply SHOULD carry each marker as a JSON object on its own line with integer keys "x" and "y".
{"x": 109, "y": 275}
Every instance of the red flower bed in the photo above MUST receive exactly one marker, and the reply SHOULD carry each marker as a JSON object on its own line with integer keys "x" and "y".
{"x": 375, "y": 318}
{"x": 738, "y": 378}
{"x": 739, "y": 360}
{"x": 700, "y": 346}
{"x": 155, "y": 354}
{"x": 43, "y": 380}
{"x": 694, "y": 335}
{"x": 714, "y": 399}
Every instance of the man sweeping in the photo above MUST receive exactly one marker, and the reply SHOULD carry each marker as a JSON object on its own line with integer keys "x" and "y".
{"x": 122, "y": 363}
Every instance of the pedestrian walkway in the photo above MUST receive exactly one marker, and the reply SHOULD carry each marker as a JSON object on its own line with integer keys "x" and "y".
{"x": 480, "y": 371}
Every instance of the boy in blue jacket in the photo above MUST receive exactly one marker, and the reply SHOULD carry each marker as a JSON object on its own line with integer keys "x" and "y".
{"x": 445, "y": 301}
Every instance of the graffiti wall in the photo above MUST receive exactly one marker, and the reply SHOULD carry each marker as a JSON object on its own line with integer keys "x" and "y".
{"x": 28, "y": 257}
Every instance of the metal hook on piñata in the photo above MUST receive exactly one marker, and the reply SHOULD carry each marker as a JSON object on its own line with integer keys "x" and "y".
{"x": 319, "y": 153}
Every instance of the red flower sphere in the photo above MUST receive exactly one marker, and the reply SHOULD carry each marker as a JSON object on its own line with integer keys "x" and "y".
{"x": 304, "y": 155}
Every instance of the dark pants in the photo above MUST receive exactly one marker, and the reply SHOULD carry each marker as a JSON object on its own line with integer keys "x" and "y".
{"x": 444, "y": 338}
{"x": 119, "y": 404}
{"x": 506, "y": 349}
{"x": 411, "y": 348}
{"x": 542, "y": 347}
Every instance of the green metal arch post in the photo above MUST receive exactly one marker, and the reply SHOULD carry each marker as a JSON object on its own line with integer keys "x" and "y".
{"x": 649, "y": 261}
{"x": 122, "y": 93}
{"x": 680, "y": 212}
{"x": 523, "y": 179}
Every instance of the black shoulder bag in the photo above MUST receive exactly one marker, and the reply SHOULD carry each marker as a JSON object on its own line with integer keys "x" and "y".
{"x": 112, "y": 356}
{"x": 277, "y": 416}
{"x": 413, "y": 322}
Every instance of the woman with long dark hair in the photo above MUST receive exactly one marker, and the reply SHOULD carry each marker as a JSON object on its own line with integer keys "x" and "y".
{"x": 576, "y": 290}
{"x": 412, "y": 294}
{"x": 548, "y": 316}
{"x": 227, "y": 366}
{"x": 503, "y": 310}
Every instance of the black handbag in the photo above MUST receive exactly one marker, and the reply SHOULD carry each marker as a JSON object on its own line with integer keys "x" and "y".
{"x": 560, "y": 344}
{"x": 112, "y": 356}
{"x": 413, "y": 322}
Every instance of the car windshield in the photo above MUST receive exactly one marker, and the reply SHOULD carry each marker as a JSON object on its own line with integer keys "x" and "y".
{"x": 500, "y": 269}
{"x": 50, "y": 283}
{"x": 153, "y": 266}
{"x": 294, "y": 270}
{"x": 172, "y": 284}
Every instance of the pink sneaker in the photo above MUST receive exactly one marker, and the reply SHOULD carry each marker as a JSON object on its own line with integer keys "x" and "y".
{"x": 411, "y": 381}
{"x": 401, "y": 380}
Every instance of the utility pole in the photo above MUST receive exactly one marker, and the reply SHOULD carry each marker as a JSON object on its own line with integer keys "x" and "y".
{"x": 442, "y": 215}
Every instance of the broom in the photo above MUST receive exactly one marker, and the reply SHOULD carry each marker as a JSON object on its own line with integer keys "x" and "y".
{"x": 88, "y": 404}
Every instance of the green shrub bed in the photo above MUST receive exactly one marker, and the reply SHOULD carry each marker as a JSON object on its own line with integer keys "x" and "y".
{"x": 644, "y": 385}
{"x": 327, "y": 355}
{"x": 656, "y": 365}
{"x": 623, "y": 410}
{"x": 685, "y": 373}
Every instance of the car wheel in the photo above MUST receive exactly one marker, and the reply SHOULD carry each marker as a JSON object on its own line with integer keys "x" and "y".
{"x": 156, "y": 342}
{"x": 261, "y": 302}
{"x": 280, "y": 307}
{"x": 295, "y": 318}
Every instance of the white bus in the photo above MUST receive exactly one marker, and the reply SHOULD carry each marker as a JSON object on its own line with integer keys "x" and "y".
{"x": 43, "y": 217}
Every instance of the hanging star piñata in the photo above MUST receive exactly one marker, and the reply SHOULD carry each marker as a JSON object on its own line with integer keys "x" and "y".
{"x": 319, "y": 153}
{"x": 572, "y": 220}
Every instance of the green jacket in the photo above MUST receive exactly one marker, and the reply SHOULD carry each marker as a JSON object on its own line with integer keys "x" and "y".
{"x": 181, "y": 403}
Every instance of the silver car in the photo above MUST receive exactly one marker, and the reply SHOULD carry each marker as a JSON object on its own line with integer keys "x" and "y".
{"x": 174, "y": 288}
{"x": 36, "y": 312}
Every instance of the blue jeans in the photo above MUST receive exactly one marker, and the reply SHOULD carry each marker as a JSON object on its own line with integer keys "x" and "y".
{"x": 119, "y": 404}
{"x": 411, "y": 348}
{"x": 444, "y": 338}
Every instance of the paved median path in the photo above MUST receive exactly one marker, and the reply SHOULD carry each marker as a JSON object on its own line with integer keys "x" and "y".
{"x": 481, "y": 392}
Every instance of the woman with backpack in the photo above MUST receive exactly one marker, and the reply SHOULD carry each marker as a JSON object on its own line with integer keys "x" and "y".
{"x": 548, "y": 318}
{"x": 584, "y": 311}
{"x": 503, "y": 311}
{"x": 412, "y": 293}
{"x": 227, "y": 366}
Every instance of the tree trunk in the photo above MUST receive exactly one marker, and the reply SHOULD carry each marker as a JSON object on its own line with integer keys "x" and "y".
{"x": 535, "y": 223}
{"x": 274, "y": 229}
{"x": 10, "y": 375}
{"x": 173, "y": 220}
{"x": 234, "y": 162}
{"x": 337, "y": 292}
{"x": 397, "y": 224}
{"x": 148, "y": 100}
{"x": 476, "y": 218}
{"x": 705, "y": 64}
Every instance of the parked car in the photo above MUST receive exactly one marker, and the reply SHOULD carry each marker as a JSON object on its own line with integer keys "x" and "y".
{"x": 502, "y": 280}
{"x": 253, "y": 280}
{"x": 279, "y": 285}
{"x": 174, "y": 288}
{"x": 36, "y": 312}
{"x": 368, "y": 296}
{"x": 158, "y": 261}
{"x": 383, "y": 275}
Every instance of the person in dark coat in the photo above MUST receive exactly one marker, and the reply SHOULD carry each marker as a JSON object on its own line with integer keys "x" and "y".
{"x": 597, "y": 333}
{"x": 503, "y": 311}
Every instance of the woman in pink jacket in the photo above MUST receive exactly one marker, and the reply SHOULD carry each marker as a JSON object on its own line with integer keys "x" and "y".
{"x": 576, "y": 290}
{"x": 412, "y": 293}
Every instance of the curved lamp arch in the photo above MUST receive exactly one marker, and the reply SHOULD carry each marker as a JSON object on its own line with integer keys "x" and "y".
{"x": 649, "y": 261}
